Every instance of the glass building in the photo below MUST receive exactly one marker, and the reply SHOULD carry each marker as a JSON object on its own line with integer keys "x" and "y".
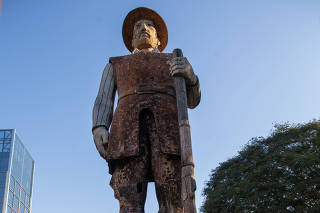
{"x": 16, "y": 174}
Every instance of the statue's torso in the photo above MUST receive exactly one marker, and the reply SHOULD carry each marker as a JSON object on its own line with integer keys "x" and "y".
{"x": 143, "y": 82}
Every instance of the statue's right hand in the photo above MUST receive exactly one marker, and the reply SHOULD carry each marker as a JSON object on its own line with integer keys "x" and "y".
{"x": 100, "y": 137}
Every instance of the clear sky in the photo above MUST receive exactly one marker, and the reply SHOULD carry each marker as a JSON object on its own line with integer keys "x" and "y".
{"x": 258, "y": 63}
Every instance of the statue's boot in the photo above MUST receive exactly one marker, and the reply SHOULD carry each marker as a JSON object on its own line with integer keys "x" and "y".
{"x": 170, "y": 209}
{"x": 125, "y": 209}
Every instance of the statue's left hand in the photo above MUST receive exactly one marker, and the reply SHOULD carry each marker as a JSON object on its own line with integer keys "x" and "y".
{"x": 100, "y": 136}
{"x": 180, "y": 66}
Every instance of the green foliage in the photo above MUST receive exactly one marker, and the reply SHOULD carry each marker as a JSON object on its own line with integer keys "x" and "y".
{"x": 280, "y": 173}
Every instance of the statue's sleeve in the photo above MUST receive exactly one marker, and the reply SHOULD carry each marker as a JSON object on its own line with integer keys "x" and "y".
{"x": 103, "y": 106}
{"x": 193, "y": 94}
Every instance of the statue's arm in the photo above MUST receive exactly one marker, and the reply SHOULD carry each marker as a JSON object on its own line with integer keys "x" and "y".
{"x": 103, "y": 105}
{"x": 193, "y": 94}
{"x": 103, "y": 111}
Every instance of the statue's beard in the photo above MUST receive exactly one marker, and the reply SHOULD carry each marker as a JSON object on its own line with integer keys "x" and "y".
{"x": 144, "y": 42}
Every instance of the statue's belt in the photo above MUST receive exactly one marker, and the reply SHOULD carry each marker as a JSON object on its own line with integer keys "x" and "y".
{"x": 147, "y": 88}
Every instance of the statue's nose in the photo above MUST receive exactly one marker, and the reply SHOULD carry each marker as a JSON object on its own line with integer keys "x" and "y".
{"x": 144, "y": 26}
{"x": 144, "y": 29}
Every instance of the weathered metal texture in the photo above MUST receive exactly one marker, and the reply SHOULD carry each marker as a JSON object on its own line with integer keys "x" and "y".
{"x": 131, "y": 175}
{"x": 188, "y": 184}
{"x": 141, "y": 73}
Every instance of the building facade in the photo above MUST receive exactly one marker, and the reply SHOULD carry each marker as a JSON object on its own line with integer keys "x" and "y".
{"x": 16, "y": 174}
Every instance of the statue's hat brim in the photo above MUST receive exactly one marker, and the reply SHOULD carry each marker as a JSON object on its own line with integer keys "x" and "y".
{"x": 148, "y": 14}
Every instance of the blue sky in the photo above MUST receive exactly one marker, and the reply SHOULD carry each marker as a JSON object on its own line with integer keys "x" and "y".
{"x": 257, "y": 61}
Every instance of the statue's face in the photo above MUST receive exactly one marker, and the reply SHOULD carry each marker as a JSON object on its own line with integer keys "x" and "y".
{"x": 145, "y": 35}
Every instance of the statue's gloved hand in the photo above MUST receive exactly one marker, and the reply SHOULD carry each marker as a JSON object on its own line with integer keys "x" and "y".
{"x": 180, "y": 66}
{"x": 100, "y": 137}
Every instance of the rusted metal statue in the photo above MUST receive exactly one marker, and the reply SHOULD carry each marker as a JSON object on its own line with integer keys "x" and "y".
{"x": 149, "y": 138}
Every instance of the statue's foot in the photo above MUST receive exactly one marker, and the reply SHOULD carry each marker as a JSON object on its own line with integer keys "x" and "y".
{"x": 126, "y": 209}
{"x": 170, "y": 209}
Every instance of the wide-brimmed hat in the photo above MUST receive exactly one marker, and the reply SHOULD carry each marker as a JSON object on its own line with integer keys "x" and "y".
{"x": 148, "y": 14}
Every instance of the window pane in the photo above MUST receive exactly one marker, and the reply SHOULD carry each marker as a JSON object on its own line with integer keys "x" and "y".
{"x": 15, "y": 203}
{"x": 4, "y": 161}
{"x": 6, "y": 147}
{"x": 3, "y": 176}
{"x": 9, "y": 210}
{"x": 21, "y": 208}
{"x": 27, "y": 203}
{"x": 17, "y": 160}
{"x": 1, "y": 195}
{"x": 28, "y": 164}
{"x": 12, "y": 184}
{"x": 23, "y": 196}
{"x": 17, "y": 190}
{"x": 10, "y": 198}
{"x": 7, "y": 134}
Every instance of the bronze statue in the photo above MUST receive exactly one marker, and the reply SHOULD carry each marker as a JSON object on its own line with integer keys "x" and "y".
{"x": 144, "y": 143}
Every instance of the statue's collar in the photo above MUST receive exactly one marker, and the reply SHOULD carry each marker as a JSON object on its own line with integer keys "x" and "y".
{"x": 155, "y": 50}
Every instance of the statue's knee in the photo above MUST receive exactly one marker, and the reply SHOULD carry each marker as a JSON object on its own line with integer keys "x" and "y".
{"x": 169, "y": 192}
{"x": 131, "y": 194}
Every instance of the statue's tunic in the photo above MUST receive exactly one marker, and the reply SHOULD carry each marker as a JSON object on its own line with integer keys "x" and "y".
{"x": 143, "y": 82}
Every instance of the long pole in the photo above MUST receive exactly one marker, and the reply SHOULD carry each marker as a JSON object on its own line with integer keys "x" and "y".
{"x": 188, "y": 183}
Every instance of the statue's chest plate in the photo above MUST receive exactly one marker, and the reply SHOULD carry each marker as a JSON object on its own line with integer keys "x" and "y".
{"x": 141, "y": 69}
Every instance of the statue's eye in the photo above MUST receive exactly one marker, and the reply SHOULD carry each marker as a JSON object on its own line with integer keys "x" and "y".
{"x": 138, "y": 25}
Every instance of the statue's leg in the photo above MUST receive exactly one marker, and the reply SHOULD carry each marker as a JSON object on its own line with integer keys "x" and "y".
{"x": 168, "y": 183}
{"x": 166, "y": 172}
{"x": 129, "y": 184}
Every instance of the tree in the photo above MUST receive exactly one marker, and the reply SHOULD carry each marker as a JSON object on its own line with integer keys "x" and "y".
{"x": 280, "y": 173}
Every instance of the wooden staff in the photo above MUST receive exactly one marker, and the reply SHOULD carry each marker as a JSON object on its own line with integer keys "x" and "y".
{"x": 188, "y": 183}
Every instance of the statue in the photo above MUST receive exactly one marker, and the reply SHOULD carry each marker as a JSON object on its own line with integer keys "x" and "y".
{"x": 144, "y": 143}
